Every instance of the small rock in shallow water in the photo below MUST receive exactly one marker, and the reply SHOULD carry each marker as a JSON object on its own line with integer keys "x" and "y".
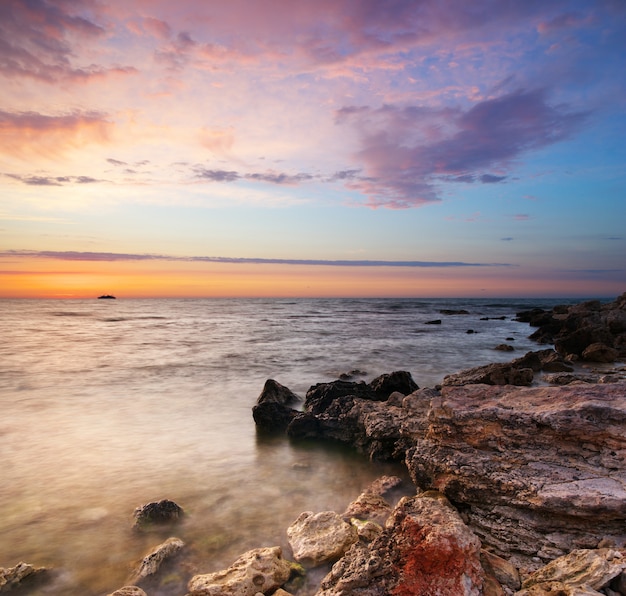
{"x": 161, "y": 512}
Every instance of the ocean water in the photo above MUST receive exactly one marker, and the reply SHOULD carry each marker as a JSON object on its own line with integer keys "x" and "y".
{"x": 110, "y": 404}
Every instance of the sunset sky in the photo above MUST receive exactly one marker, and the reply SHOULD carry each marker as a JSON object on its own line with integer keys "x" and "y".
{"x": 312, "y": 148}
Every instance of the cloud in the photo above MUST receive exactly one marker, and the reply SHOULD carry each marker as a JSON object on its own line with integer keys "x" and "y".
{"x": 38, "y": 40}
{"x": 31, "y": 133}
{"x": 406, "y": 151}
{"x": 112, "y": 257}
{"x": 53, "y": 180}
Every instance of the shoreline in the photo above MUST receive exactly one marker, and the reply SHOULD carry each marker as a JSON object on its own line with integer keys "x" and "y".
{"x": 392, "y": 420}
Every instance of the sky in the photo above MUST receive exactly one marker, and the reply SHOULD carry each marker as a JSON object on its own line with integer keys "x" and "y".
{"x": 406, "y": 148}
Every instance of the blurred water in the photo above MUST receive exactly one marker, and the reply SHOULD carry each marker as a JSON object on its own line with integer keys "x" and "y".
{"x": 110, "y": 404}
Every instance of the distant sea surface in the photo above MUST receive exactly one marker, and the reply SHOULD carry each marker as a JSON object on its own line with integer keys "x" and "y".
{"x": 110, "y": 404}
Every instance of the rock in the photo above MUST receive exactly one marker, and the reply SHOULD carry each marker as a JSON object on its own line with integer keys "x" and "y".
{"x": 502, "y": 570}
{"x": 539, "y": 471}
{"x": 260, "y": 570}
{"x": 504, "y": 348}
{"x": 320, "y": 396}
{"x": 20, "y": 576}
{"x": 128, "y": 591}
{"x": 433, "y": 322}
{"x": 491, "y": 374}
{"x": 399, "y": 381}
{"x": 152, "y": 562}
{"x": 425, "y": 550}
{"x": 594, "y": 568}
{"x": 272, "y": 413}
{"x": 317, "y": 538}
{"x": 276, "y": 393}
{"x": 160, "y": 512}
{"x": 572, "y": 329}
{"x": 370, "y": 504}
{"x": 557, "y": 589}
{"x": 447, "y": 311}
{"x": 600, "y": 353}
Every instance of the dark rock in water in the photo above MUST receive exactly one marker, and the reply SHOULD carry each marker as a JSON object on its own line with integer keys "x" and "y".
{"x": 446, "y": 311}
{"x": 504, "y": 348}
{"x": 160, "y": 512}
{"x": 320, "y": 396}
{"x": 276, "y": 393}
{"x": 470, "y": 331}
{"x": 433, "y": 322}
{"x": 400, "y": 381}
{"x": 572, "y": 329}
{"x": 272, "y": 413}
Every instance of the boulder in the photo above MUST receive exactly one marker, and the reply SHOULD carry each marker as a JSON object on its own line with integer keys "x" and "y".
{"x": 152, "y": 562}
{"x": 260, "y": 570}
{"x": 317, "y": 538}
{"x": 20, "y": 576}
{"x": 272, "y": 412}
{"x": 572, "y": 329}
{"x": 505, "y": 373}
{"x": 426, "y": 549}
{"x": 159, "y": 512}
{"x": 600, "y": 352}
{"x": 539, "y": 470}
{"x": 593, "y": 569}
{"x": 399, "y": 381}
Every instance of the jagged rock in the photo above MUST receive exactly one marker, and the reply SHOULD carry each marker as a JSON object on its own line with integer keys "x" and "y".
{"x": 19, "y": 576}
{"x": 152, "y": 562}
{"x": 573, "y": 329}
{"x": 426, "y": 549}
{"x": 319, "y": 397}
{"x": 272, "y": 412}
{"x": 600, "y": 353}
{"x": 370, "y": 504}
{"x": 317, "y": 538}
{"x": 399, "y": 381}
{"x": 504, "y": 373}
{"x": 502, "y": 570}
{"x": 558, "y": 589}
{"x": 539, "y": 471}
{"x": 259, "y": 570}
{"x": 128, "y": 591}
{"x": 504, "y": 348}
{"x": 159, "y": 512}
{"x": 587, "y": 568}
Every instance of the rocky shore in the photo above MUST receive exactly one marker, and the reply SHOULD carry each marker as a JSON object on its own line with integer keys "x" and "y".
{"x": 519, "y": 474}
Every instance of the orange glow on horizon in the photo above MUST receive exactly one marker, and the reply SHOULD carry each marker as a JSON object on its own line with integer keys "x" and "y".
{"x": 50, "y": 278}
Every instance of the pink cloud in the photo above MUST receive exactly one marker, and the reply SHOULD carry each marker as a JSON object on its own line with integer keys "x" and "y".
{"x": 407, "y": 151}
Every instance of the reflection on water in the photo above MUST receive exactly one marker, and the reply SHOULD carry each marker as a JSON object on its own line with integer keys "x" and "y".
{"x": 108, "y": 406}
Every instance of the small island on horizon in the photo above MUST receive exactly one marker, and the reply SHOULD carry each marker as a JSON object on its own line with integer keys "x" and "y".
{"x": 106, "y": 297}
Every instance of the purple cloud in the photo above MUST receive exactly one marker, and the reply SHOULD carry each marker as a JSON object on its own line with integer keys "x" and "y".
{"x": 109, "y": 256}
{"x": 407, "y": 151}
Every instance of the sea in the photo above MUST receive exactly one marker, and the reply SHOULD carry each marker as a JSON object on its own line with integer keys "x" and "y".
{"x": 106, "y": 405}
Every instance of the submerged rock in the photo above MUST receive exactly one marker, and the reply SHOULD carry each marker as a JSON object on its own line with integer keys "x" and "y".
{"x": 20, "y": 576}
{"x": 260, "y": 570}
{"x": 152, "y": 562}
{"x": 159, "y": 512}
